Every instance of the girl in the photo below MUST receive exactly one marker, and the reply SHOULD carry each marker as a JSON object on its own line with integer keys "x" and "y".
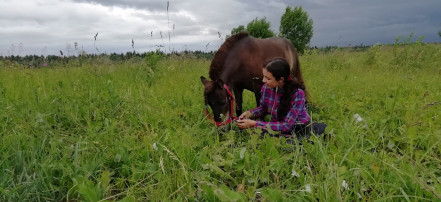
{"x": 283, "y": 98}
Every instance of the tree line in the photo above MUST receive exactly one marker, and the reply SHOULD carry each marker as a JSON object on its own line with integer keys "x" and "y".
{"x": 295, "y": 25}
{"x": 36, "y": 61}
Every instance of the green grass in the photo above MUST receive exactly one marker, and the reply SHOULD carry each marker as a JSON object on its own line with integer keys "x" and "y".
{"x": 112, "y": 131}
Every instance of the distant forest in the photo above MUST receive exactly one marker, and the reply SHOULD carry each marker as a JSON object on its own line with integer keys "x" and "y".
{"x": 36, "y": 61}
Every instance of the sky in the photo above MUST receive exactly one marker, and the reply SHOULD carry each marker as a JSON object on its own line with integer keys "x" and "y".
{"x": 49, "y": 27}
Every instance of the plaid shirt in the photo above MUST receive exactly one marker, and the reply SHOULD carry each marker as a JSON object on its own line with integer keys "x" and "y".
{"x": 269, "y": 102}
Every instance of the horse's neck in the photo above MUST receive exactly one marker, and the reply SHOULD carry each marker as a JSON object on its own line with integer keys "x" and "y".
{"x": 224, "y": 76}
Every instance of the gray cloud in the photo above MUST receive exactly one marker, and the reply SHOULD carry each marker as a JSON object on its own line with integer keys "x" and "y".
{"x": 369, "y": 22}
{"x": 47, "y": 26}
{"x": 151, "y": 5}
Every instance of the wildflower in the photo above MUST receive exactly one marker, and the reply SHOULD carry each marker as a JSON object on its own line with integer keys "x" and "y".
{"x": 358, "y": 118}
{"x": 308, "y": 188}
{"x": 117, "y": 158}
{"x": 345, "y": 185}
{"x": 294, "y": 173}
{"x": 390, "y": 144}
{"x": 242, "y": 152}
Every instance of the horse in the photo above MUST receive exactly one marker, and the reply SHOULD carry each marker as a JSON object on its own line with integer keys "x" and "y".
{"x": 237, "y": 65}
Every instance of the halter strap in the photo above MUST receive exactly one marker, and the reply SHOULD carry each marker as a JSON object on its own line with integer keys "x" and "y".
{"x": 232, "y": 101}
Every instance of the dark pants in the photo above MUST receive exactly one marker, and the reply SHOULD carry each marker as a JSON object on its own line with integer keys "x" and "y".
{"x": 302, "y": 132}
{"x": 305, "y": 131}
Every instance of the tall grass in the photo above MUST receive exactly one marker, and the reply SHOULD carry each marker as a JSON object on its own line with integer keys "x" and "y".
{"x": 131, "y": 131}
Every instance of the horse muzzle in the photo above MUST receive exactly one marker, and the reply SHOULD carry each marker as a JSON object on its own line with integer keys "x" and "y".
{"x": 208, "y": 115}
{"x": 224, "y": 120}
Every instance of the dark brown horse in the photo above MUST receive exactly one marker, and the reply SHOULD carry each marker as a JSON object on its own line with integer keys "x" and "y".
{"x": 237, "y": 65}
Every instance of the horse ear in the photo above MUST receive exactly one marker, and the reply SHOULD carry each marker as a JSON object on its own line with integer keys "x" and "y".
{"x": 204, "y": 80}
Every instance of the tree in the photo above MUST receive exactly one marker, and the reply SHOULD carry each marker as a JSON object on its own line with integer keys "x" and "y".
{"x": 296, "y": 26}
{"x": 236, "y": 30}
{"x": 260, "y": 28}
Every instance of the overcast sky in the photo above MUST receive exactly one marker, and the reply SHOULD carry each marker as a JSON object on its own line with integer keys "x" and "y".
{"x": 45, "y": 27}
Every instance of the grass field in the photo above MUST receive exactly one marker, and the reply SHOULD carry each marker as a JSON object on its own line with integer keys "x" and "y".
{"x": 104, "y": 131}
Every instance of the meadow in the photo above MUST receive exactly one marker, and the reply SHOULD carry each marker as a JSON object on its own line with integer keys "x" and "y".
{"x": 135, "y": 131}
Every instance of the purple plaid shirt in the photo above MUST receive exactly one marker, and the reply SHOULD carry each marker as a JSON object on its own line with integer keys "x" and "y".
{"x": 269, "y": 103}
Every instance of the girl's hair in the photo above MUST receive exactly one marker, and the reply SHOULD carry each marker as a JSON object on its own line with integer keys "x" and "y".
{"x": 280, "y": 68}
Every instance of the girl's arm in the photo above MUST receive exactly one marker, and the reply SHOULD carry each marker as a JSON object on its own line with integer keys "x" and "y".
{"x": 297, "y": 106}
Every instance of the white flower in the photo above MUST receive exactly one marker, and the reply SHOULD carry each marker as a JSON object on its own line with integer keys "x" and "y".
{"x": 242, "y": 152}
{"x": 117, "y": 158}
{"x": 345, "y": 185}
{"x": 294, "y": 173}
{"x": 390, "y": 145}
{"x": 358, "y": 118}
{"x": 40, "y": 118}
{"x": 308, "y": 188}
{"x": 155, "y": 147}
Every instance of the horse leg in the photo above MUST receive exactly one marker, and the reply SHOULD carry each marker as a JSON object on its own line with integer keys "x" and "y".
{"x": 238, "y": 95}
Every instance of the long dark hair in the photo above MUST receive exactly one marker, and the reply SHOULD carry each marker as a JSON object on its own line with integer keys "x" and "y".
{"x": 280, "y": 68}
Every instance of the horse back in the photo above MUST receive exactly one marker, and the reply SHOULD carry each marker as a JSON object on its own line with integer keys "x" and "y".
{"x": 277, "y": 47}
{"x": 251, "y": 54}
{"x": 244, "y": 62}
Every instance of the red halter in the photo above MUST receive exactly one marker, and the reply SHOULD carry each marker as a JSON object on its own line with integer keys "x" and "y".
{"x": 232, "y": 101}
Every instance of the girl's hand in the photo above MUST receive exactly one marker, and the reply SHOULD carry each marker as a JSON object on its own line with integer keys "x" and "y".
{"x": 246, "y": 123}
{"x": 245, "y": 115}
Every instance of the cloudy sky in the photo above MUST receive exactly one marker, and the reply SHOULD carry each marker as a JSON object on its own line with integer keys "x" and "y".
{"x": 45, "y": 27}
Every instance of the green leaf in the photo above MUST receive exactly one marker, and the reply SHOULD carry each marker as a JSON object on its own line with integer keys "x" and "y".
{"x": 272, "y": 194}
{"x": 208, "y": 193}
{"x": 88, "y": 190}
{"x": 105, "y": 179}
{"x": 276, "y": 165}
{"x": 128, "y": 199}
{"x": 218, "y": 171}
{"x": 225, "y": 194}
{"x": 270, "y": 149}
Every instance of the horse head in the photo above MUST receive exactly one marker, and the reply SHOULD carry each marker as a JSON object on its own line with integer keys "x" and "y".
{"x": 216, "y": 97}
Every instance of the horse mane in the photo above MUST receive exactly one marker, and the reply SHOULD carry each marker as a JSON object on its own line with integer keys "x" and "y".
{"x": 219, "y": 58}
